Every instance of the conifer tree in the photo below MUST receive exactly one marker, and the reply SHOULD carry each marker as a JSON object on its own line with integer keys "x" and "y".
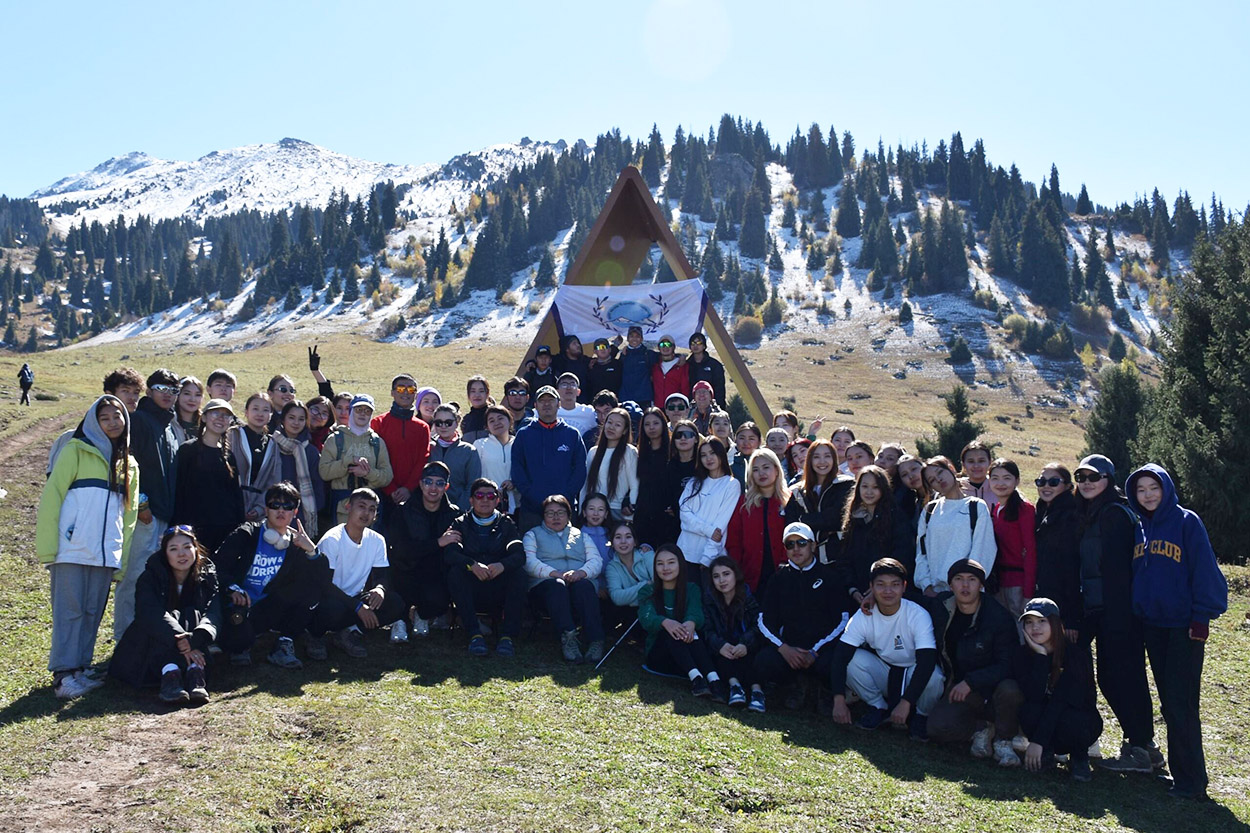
{"x": 653, "y": 159}
{"x": 752, "y": 239}
{"x": 1160, "y": 252}
{"x": 1110, "y": 244}
{"x": 1000, "y": 260}
{"x": 955, "y": 433}
{"x": 959, "y": 172}
{"x": 546, "y": 276}
{"x": 1083, "y": 203}
{"x": 1117, "y": 350}
{"x": 10, "y": 336}
{"x": 1113, "y": 426}
{"x": 847, "y": 223}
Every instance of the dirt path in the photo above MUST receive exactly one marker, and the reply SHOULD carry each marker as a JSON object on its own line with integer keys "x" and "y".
{"x": 44, "y": 429}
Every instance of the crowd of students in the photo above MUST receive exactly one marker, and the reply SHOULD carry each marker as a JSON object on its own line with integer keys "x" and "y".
{"x": 753, "y": 561}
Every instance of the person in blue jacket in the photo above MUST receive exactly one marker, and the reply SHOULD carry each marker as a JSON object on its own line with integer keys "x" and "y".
{"x": 548, "y": 458}
{"x": 1177, "y": 590}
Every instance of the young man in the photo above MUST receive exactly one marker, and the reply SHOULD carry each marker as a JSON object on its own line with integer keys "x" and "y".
{"x": 603, "y": 403}
{"x": 800, "y": 617}
{"x": 746, "y": 440}
{"x": 573, "y": 412}
{"x": 976, "y": 637}
{"x": 669, "y": 375}
{"x": 272, "y": 578}
{"x": 605, "y": 368}
{"x": 548, "y": 458}
{"x": 153, "y": 444}
{"x": 417, "y": 548}
{"x": 703, "y": 407}
{"x": 636, "y": 364}
{"x": 126, "y": 384}
{"x": 486, "y": 568}
{"x": 221, "y": 384}
{"x": 703, "y": 368}
{"x": 354, "y": 456}
{"x": 541, "y": 374}
{"x": 407, "y": 442}
{"x": 516, "y": 398}
{"x": 898, "y": 675}
{"x": 359, "y": 595}
{"x": 676, "y": 408}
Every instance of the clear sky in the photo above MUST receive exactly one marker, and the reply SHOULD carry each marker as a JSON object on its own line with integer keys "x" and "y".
{"x": 1124, "y": 96}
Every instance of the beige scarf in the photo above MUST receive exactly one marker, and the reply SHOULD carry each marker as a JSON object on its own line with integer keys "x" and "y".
{"x": 307, "y": 498}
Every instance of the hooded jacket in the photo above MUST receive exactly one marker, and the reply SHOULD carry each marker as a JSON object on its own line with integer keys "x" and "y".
{"x": 547, "y": 460}
{"x": 153, "y": 444}
{"x": 1176, "y": 579}
{"x": 80, "y": 520}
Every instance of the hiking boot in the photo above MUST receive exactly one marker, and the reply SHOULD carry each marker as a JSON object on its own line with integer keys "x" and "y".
{"x": 737, "y": 697}
{"x": 569, "y": 647}
{"x": 477, "y": 646}
{"x": 720, "y": 690}
{"x": 505, "y": 647}
{"x": 241, "y": 658}
{"x": 872, "y": 719}
{"x": 699, "y": 686}
{"x": 918, "y": 727}
{"x": 594, "y": 651}
{"x": 399, "y": 632}
{"x": 1156, "y": 755}
{"x": 283, "y": 654}
{"x": 195, "y": 684}
{"x": 1131, "y": 759}
{"x": 420, "y": 627}
{"x": 983, "y": 743}
{"x": 69, "y": 687}
{"x": 1079, "y": 769}
{"x": 315, "y": 647}
{"x": 1005, "y": 753}
{"x": 352, "y": 642}
{"x": 757, "y": 702}
{"x": 171, "y": 688}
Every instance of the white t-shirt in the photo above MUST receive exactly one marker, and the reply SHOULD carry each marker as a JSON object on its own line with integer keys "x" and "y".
{"x": 582, "y": 417}
{"x": 351, "y": 562}
{"x": 895, "y": 638}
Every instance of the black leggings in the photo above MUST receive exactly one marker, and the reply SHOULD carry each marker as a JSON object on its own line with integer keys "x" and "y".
{"x": 337, "y": 611}
{"x": 743, "y": 668}
{"x": 288, "y": 618}
{"x": 670, "y": 656}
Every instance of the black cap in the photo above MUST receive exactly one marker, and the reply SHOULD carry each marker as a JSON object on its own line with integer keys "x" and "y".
{"x": 1041, "y": 607}
{"x": 966, "y": 565}
{"x": 543, "y": 350}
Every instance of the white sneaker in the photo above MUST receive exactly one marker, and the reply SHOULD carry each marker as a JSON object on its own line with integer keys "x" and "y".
{"x": 1095, "y": 751}
{"x": 90, "y": 683}
{"x": 1005, "y": 753}
{"x": 399, "y": 632}
{"x": 420, "y": 627}
{"x": 70, "y": 687}
{"x": 1020, "y": 744}
{"x": 441, "y": 623}
{"x": 983, "y": 743}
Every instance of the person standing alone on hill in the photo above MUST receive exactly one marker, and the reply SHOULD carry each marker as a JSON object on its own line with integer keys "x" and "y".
{"x": 25, "y": 378}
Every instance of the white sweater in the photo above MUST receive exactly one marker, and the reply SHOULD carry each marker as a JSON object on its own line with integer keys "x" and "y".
{"x": 947, "y": 536}
{"x": 497, "y": 464}
{"x": 705, "y": 513}
{"x": 626, "y": 479}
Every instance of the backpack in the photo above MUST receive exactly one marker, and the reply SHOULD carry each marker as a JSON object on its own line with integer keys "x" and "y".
{"x": 375, "y": 443}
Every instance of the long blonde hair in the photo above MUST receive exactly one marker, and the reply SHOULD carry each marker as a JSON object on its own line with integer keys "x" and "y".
{"x": 754, "y": 496}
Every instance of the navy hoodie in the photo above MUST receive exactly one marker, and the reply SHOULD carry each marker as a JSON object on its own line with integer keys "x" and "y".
{"x": 1176, "y": 580}
{"x": 547, "y": 460}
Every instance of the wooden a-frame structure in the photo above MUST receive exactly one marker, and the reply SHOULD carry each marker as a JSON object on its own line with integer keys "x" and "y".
{"x": 621, "y": 238}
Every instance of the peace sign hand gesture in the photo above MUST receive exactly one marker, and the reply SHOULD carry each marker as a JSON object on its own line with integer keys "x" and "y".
{"x": 301, "y": 539}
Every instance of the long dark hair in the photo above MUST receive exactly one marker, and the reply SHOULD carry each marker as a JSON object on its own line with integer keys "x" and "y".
{"x": 1058, "y": 643}
{"x": 685, "y": 423}
{"x": 735, "y": 605}
{"x": 121, "y": 451}
{"x": 679, "y": 589}
{"x": 645, "y": 452}
{"x": 810, "y": 479}
{"x": 881, "y": 526}
{"x": 197, "y": 566}
{"x": 601, "y": 448}
{"x": 701, "y": 474}
{"x": 1011, "y": 509}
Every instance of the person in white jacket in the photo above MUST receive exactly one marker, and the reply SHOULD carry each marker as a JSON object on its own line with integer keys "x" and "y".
{"x": 951, "y": 527}
{"x": 612, "y": 466}
{"x": 495, "y": 451}
{"x": 706, "y": 504}
{"x": 562, "y": 564}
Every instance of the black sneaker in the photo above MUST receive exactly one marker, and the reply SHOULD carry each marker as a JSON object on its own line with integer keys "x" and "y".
{"x": 872, "y": 719}
{"x": 171, "y": 688}
{"x": 918, "y": 728}
{"x": 699, "y": 687}
{"x": 737, "y": 697}
{"x": 720, "y": 691}
{"x": 757, "y": 702}
{"x": 1079, "y": 768}
{"x": 196, "y": 688}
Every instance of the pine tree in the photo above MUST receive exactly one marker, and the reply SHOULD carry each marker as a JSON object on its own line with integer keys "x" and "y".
{"x": 1000, "y": 261}
{"x": 955, "y": 433}
{"x": 1117, "y": 350}
{"x": 653, "y": 159}
{"x": 752, "y": 239}
{"x": 546, "y": 276}
{"x": 1110, "y": 244}
{"x": 1113, "y": 426}
{"x": 847, "y": 223}
{"x": 32, "y": 342}
{"x": 959, "y": 172}
{"x": 10, "y": 336}
{"x": 1160, "y": 252}
{"x": 1083, "y": 203}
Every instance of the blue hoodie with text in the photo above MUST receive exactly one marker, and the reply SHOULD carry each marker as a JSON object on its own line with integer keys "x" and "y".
{"x": 1176, "y": 579}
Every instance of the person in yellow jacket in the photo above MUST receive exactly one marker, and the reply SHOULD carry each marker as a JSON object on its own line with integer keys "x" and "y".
{"x": 85, "y": 525}
{"x": 354, "y": 456}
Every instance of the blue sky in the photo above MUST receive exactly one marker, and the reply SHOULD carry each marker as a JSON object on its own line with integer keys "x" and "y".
{"x": 1122, "y": 96}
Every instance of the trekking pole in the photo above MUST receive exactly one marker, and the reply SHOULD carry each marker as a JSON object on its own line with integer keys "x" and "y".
{"x": 617, "y": 645}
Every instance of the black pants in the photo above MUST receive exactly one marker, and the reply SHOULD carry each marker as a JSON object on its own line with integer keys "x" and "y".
{"x": 567, "y": 604}
{"x": 1176, "y": 661}
{"x": 671, "y": 656}
{"x": 337, "y": 610}
{"x": 743, "y": 668}
{"x": 1075, "y": 731}
{"x": 616, "y": 618}
{"x": 1122, "y": 681}
{"x": 771, "y": 667}
{"x": 951, "y": 722}
{"x": 471, "y": 596}
{"x": 25, "y": 396}
{"x": 289, "y": 617}
{"x": 422, "y": 583}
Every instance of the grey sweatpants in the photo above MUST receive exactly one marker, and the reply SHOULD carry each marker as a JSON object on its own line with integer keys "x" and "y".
{"x": 79, "y": 594}
{"x": 146, "y": 540}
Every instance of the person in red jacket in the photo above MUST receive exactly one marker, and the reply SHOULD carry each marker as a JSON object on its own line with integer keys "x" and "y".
{"x": 753, "y": 537}
{"x": 1015, "y": 568}
{"x": 407, "y": 441}
{"x": 669, "y": 375}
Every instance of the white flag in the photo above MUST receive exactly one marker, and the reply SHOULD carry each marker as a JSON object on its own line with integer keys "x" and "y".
{"x": 590, "y": 312}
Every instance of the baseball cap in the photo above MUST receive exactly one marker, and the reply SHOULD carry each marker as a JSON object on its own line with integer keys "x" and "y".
{"x": 800, "y": 529}
{"x": 363, "y": 399}
{"x": 1040, "y": 607}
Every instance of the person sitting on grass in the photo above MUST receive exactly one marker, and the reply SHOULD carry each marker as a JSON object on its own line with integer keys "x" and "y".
{"x": 1060, "y": 710}
{"x": 976, "y": 637}
{"x": 562, "y": 564}
{"x": 417, "y": 551}
{"x": 731, "y": 627}
{"x": 631, "y": 568}
{"x": 897, "y": 676}
{"x": 800, "y": 619}
{"x": 486, "y": 568}
{"x": 671, "y": 612}
{"x": 275, "y": 575}
{"x": 175, "y": 601}
{"x": 359, "y": 595}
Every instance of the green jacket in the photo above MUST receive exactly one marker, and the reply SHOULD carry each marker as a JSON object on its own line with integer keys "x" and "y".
{"x": 652, "y": 619}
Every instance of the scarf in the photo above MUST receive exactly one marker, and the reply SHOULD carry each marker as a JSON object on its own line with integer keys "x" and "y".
{"x": 402, "y": 414}
{"x": 241, "y": 449}
{"x": 307, "y": 497}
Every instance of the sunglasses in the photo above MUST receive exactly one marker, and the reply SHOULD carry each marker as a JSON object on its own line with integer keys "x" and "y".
{"x": 486, "y": 495}
{"x": 517, "y": 392}
{"x": 676, "y": 406}
{"x": 401, "y": 389}
{"x": 163, "y": 389}
{"x": 1089, "y": 476}
{"x": 684, "y": 435}
{"x": 667, "y": 344}
{"x": 282, "y": 505}
{"x": 1048, "y": 481}
{"x": 795, "y": 543}
{"x": 183, "y": 528}
{"x": 284, "y": 389}
{"x": 444, "y": 423}
{"x": 434, "y": 481}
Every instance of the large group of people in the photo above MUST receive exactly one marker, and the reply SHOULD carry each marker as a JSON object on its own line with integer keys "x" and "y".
{"x": 756, "y": 562}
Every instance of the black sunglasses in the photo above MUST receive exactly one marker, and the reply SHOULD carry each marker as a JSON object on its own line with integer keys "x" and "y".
{"x": 675, "y": 406}
{"x": 1048, "y": 481}
{"x": 282, "y": 505}
{"x": 795, "y": 543}
{"x": 1089, "y": 476}
{"x": 444, "y": 423}
{"x": 684, "y": 435}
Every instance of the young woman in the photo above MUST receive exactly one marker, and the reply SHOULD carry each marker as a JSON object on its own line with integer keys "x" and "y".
{"x": 887, "y": 458}
{"x": 495, "y": 452}
{"x": 951, "y": 527}
{"x": 1057, "y": 542}
{"x": 281, "y": 392}
{"x": 298, "y": 461}
{"x": 789, "y": 421}
{"x": 842, "y": 438}
{"x": 796, "y": 459}
{"x": 683, "y": 447}
{"x": 86, "y": 518}
{"x": 186, "y": 423}
{"x": 342, "y": 403}
{"x": 776, "y": 441}
{"x": 731, "y": 628}
{"x": 722, "y": 427}
{"x": 612, "y": 465}
{"x": 631, "y": 569}
{"x": 671, "y": 612}
{"x": 427, "y": 400}
{"x": 207, "y": 495}
{"x": 1059, "y": 714}
{"x": 872, "y": 529}
{"x": 255, "y": 456}
{"x": 654, "y": 523}
{"x": 1177, "y": 590}
{"x": 1015, "y": 520}
{"x": 593, "y": 521}
{"x": 455, "y": 453}
{"x": 321, "y": 421}
{"x": 910, "y": 493}
{"x": 473, "y": 423}
{"x": 859, "y": 454}
{"x": 818, "y": 499}
{"x": 974, "y": 459}
{"x": 753, "y": 537}
{"x": 706, "y": 504}
{"x": 167, "y": 643}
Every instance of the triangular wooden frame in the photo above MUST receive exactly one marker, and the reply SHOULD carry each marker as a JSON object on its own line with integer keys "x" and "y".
{"x": 621, "y": 238}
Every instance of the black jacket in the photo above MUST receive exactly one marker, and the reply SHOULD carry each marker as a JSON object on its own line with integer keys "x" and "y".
{"x": 823, "y": 513}
{"x": 1058, "y": 537}
{"x": 709, "y": 370}
{"x": 299, "y": 578}
{"x": 603, "y": 376}
{"x": 983, "y": 654}
{"x": 654, "y": 526}
{"x": 579, "y": 367}
{"x": 1074, "y": 690}
{"x": 1109, "y": 532}
{"x": 416, "y": 539}
{"x": 802, "y": 608}
{"x": 153, "y": 445}
{"x": 500, "y": 542}
{"x": 207, "y": 495}
{"x": 722, "y": 626}
{"x": 856, "y": 555}
{"x": 152, "y": 637}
